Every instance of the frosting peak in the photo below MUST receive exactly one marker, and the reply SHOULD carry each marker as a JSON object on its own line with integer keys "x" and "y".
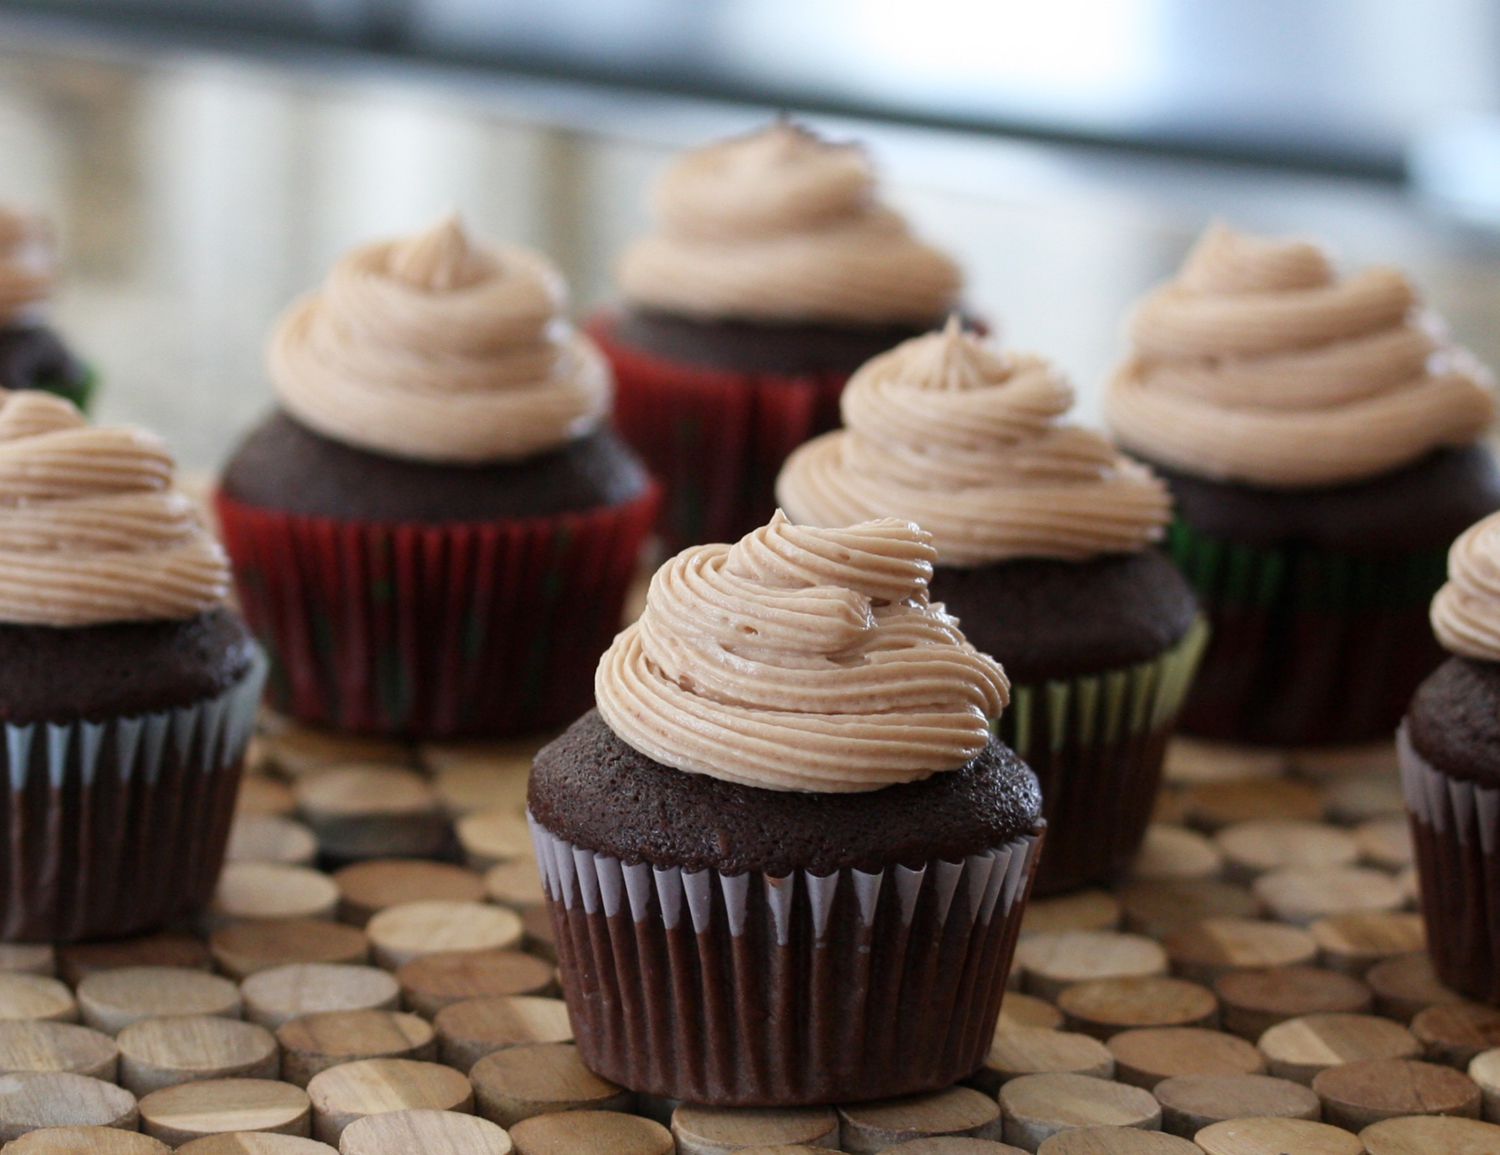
{"x": 437, "y": 348}
{"x": 91, "y": 530}
{"x": 1466, "y": 611}
{"x": 28, "y": 266}
{"x": 783, "y": 225}
{"x": 802, "y": 659}
{"x": 967, "y": 441}
{"x": 1258, "y": 364}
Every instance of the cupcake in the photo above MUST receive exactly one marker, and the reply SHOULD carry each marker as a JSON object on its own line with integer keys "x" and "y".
{"x": 434, "y": 533}
{"x": 785, "y": 858}
{"x": 774, "y": 272}
{"x": 1321, "y": 438}
{"x": 1043, "y": 531}
{"x": 1449, "y": 750}
{"x": 127, "y": 690}
{"x": 32, "y": 356}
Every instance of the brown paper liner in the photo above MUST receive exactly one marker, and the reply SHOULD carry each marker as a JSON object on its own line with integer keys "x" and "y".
{"x": 1456, "y": 828}
{"x": 753, "y": 990}
{"x": 118, "y": 826}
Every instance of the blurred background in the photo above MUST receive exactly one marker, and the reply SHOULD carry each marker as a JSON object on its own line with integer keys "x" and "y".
{"x": 205, "y": 160}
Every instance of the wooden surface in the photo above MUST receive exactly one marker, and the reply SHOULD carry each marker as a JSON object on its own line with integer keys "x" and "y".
{"x": 341, "y": 988}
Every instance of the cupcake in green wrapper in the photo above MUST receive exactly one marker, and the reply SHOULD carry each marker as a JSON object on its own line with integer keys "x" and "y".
{"x": 32, "y": 356}
{"x": 1321, "y": 438}
{"x": 1044, "y": 533}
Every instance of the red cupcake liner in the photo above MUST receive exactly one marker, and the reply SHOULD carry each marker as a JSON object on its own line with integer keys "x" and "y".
{"x": 466, "y": 629}
{"x": 716, "y": 439}
{"x": 1455, "y": 828}
{"x": 116, "y": 826}
{"x": 757, "y": 990}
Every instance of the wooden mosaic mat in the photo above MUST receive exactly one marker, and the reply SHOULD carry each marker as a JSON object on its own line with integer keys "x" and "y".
{"x": 377, "y": 977}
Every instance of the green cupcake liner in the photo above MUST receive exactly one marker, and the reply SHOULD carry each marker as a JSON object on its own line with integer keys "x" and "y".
{"x": 1096, "y": 743}
{"x": 1310, "y": 646}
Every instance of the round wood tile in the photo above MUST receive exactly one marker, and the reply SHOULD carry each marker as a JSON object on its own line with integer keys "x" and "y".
{"x": 1276, "y": 1137}
{"x": 1161, "y": 907}
{"x": 426, "y": 1132}
{"x": 1356, "y": 941}
{"x": 1104, "y": 1007}
{"x": 1115, "y": 1141}
{"x": 27, "y": 997}
{"x": 1303, "y": 895}
{"x": 1175, "y": 853}
{"x": 367, "y": 888}
{"x": 1083, "y": 910}
{"x": 1429, "y": 1135}
{"x": 85, "y": 1141}
{"x": 161, "y": 1053}
{"x": 1302, "y": 1048}
{"x": 571, "y": 1132}
{"x": 517, "y": 885}
{"x": 1252, "y": 1002}
{"x": 252, "y": 890}
{"x": 958, "y": 1112}
{"x": 28, "y": 958}
{"x": 354, "y": 1090}
{"x": 1484, "y": 1069}
{"x": 1209, "y": 949}
{"x": 298, "y": 751}
{"x": 435, "y": 981}
{"x": 363, "y": 810}
{"x": 1457, "y": 1033}
{"x": 540, "y": 1078}
{"x": 313, "y": 1043}
{"x": 271, "y": 838}
{"x": 275, "y": 996}
{"x": 721, "y": 1130}
{"x": 188, "y": 1111}
{"x": 1405, "y": 985}
{"x": 1190, "y": 1103}
{"x": 492, "y": 836}
{"x": 1356, "y": 1095}
{"x": 243, "y": 948}
{"x": 1386, "y": 842}
{"x": 1036, "y": 1051}
{"x": 44, "y": 1045}
{"x": 1039, "y": 1106}
{"x": 1258, "y": 847}
{"x": 168, "y": 949}
{"x": 1022, "y": 1010}
{"x": 1050, "y": 961}
{"x": 1214, "y": 805}
{"x": 111, "y": 1000}
{"x": 469, "y": 1030}
{"x": 255, "y": 1143}
{"x": 411, "y": 930}
{"x": 31, "y": 1100}
{"x": 1143, "y": 1058}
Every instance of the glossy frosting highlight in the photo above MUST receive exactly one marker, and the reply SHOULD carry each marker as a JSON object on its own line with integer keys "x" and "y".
{"x": 802, "y": 659}
{"x": 91, "y": 530}
{"x": 781, "y": 225}
{"x": 438, "y": 349}
{"x": 1259, "y": 364}
{"x": 1466, "y": 611}
{"x": 28, "y": 266}
{"x": 968, "y": 441}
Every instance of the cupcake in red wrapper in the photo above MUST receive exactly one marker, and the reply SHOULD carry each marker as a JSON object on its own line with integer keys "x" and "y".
{"x": 774, "y": 272}
{"x": 128, "y": 691}
{"x": 1321, "y": 438}
{"x": 1043, "y": 531}
{"x": 786, "y": 859}
{"x": 434, "y": 534}
{"x": 1449, "y": 748}
{"x": 32, "y": 355}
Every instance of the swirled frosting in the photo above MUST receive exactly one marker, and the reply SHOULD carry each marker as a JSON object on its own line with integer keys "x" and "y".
{"x": 966, "y": 441}
{"x": 1466, "y": 611}
{"x": 91, "y": 530}
{"x": 1257, "y": 364}
{"x": 802, "y": 659}
{"x": 439, "y": 349}
{"x": 781, "y": 225}
{"x": 28, "y": 266}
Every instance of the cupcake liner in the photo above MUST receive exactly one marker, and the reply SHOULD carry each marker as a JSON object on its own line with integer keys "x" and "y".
{"x": 1309, "y": 647}
{"x": 1097, "y": 744}
{"x": 117, "y": 826}
{"x": 715, "y": 439}
{"x": 434, "y": 631}
{"x": 756, "y": 990}
{"x": 1456, "y": 830}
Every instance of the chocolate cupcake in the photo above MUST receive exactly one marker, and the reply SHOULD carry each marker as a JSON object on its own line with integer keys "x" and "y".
{"x": 775, "y": 271}
{"x": 1321, "y": 439}
{"x": 1043, "y": 532}
{"x": 127, "y": 690}
{"x": 1449, "y": 749}
{"x": 434, "y": 534}
{"x": 786, "y": 859}
{"x": 32, "y": 356}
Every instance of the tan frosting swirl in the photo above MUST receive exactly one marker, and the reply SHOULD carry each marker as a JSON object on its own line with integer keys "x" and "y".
{"x": 781, "y": 225}
{"x": 1466, "y": 611}
{"x": 28, "y": 266}
{"x": 966, "y": 441}
{"x": 91, "y": 530}
{"x": 1257, "y": 364}
{"x": 438, "y": 349}
{"x": 802, "y": 659}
